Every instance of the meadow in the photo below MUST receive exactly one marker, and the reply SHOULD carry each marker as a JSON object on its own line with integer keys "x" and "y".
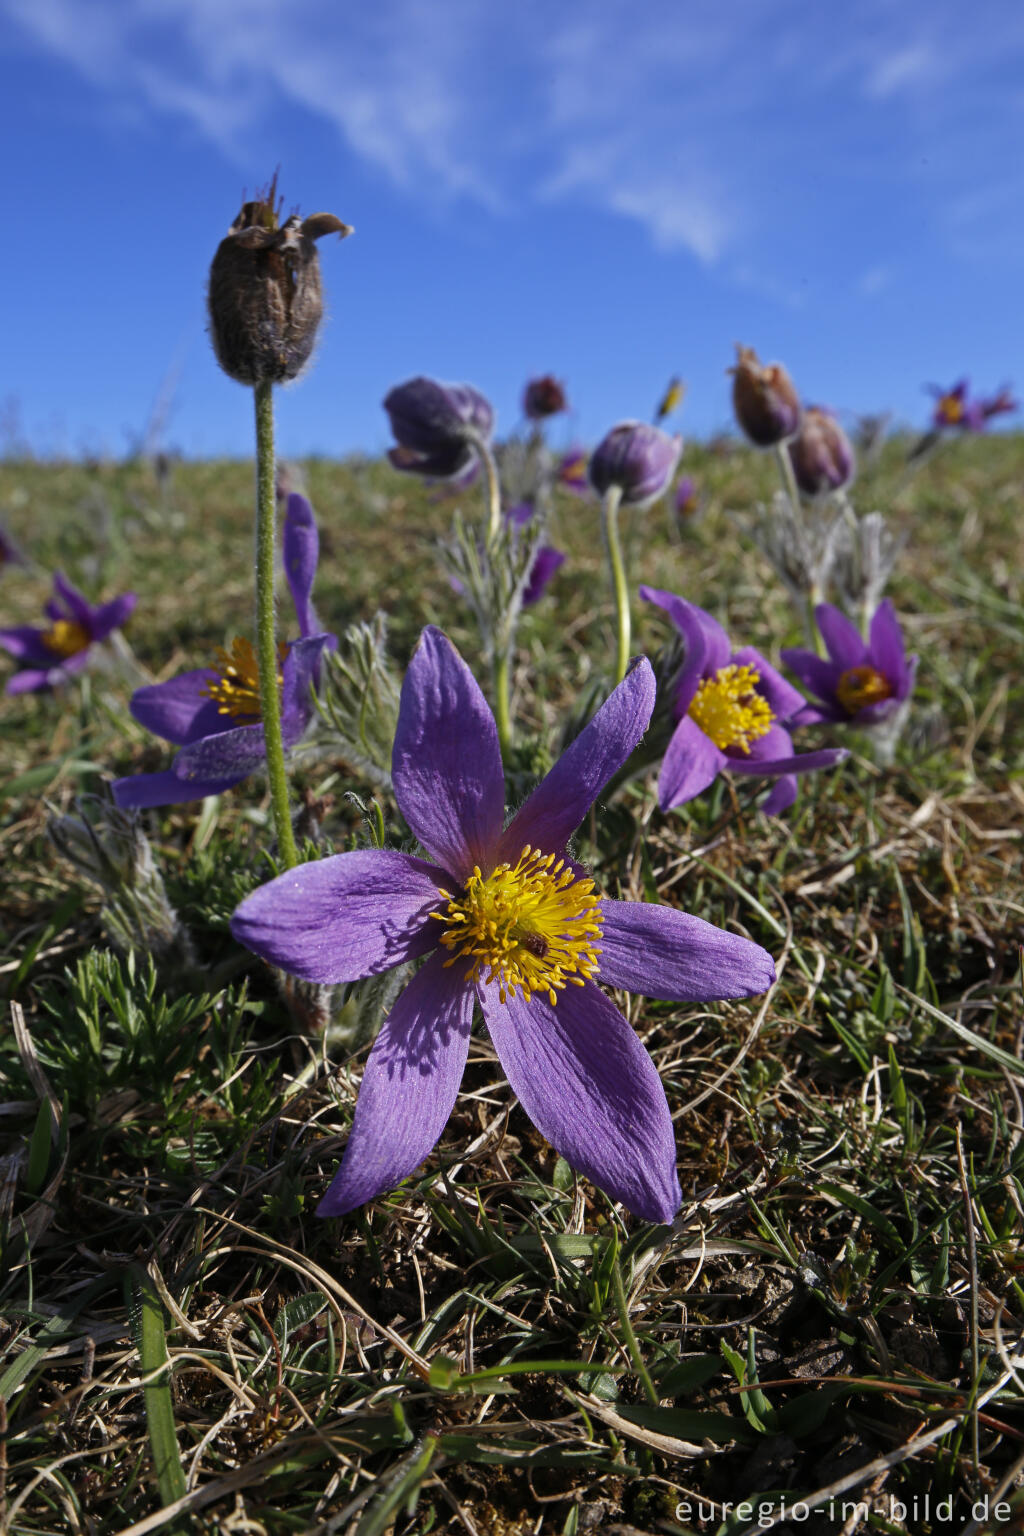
{"x": 497, "y": 1347}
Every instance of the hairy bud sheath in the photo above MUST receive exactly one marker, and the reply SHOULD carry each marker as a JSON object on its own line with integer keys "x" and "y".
{"x": 764, "y": 398}
{"x": 265, "y": 297}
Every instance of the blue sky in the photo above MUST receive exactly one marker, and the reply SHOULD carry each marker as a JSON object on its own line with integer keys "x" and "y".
{"x": 608, "y": 191}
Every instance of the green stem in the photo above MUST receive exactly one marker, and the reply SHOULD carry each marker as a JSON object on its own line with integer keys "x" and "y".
{"x": 623, "y": 621}
{"x": 266, "y": 640}
{"x": 502, "y": 712}
{"x": 493, "y": 492}
{"x": 787, "y": 476}
{"x": 622, "y": 1307}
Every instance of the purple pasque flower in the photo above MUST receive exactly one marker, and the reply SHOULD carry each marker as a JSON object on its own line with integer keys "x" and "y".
{"x": 510, "y": 922}
{"x": 954, "y": 408}
{"x": 438, "y": 426}
{"x": 821, "y": 454}
{"x": 636, "y": 457}
{"x": 863, "y": 681}
{"x": 571, "y": 471}
{"x": 998, "y": 404}
{"x": 732, "y": 709}
{"x": 54, "y": 655}
{"x": 544, "y": 397}
{"x": 213, "y": 713}
{"x": 687, "y": 500}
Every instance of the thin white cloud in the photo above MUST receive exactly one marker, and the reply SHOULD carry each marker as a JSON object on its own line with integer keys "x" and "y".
{"x": 716, "y": 129}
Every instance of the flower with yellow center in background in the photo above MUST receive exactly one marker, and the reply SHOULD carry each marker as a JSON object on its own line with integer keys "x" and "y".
{"x": 521, "y": 932}
{"x": 860, "y": 682}
{"x": 732, "y": 710}
{"x": 213, "y": 713}
{"x": 52, "y": 655}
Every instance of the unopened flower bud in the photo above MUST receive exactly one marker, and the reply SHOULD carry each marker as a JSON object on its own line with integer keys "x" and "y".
{"x": 437, "y": 426}
{"x": 638, "y": 458}
{"x": 265, "y": 297}
{"x": 821, "y": 454}
{"x": 543, "y": 397}
{"x": 765, "y": 401}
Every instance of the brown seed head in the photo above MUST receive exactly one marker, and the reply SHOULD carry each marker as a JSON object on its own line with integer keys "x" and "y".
{"x": 766, "y": 403}
{"x": 265, "y": 296}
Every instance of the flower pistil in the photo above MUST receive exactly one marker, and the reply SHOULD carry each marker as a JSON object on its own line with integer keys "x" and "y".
{"x": 530, "y": 926}
{"x": 729, "y": 710}
{"x": 861, "y": 686}
{"x": 66, "y": 637}
{"x": 236, "y": 691}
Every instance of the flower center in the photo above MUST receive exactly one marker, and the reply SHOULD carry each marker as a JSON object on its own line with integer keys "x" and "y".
{"x": 860, "y": 686}
{"x": 236, "y": 691}
{"x": 530, "y": 926}
{"x": 728, "y": 708}
{"x": 66, "y": 637}
{"x": 951, "y": 410}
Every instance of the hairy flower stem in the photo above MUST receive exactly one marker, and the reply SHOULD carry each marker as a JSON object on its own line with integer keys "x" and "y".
{"x": 266, "y": 640}
{"x": 502, "y": 712}
{"x": 623, "y": 620}
{"x": 493, "y": 492}
{"x": 787, "y": 476}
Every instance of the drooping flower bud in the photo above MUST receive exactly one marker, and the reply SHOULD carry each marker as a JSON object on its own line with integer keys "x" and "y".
{"x": 821, "y": 454}
{"x": 764, "y": 398}
{"x": 543, "y": 397}
{"x": 638, "y": 458}
{"x": 265, "y": 297}
{"x": 437, "y": 426}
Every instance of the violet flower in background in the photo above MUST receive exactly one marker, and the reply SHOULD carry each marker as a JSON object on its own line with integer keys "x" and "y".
{"x": 732, "y": 709}
{"x": 821, "y": 454}
{"x": 543, "y": 397}
{"x": 638, "y": 458}
{"x": 10, "y": 554}
{"x": 437, "y": 426}
{"x": 764, "y": 399}
{"x": 510, "y": 922}
{"x": 213, "y": 713}
{"x": 53, "y": 655}
{"x": 571, "y": 472}
{"x": 547, "y": 561}
{"x": 687, "y": 500}
{"x": 954, "y": 408}
{"x": 863, "y": 682}
{"x": 999, "y": 404}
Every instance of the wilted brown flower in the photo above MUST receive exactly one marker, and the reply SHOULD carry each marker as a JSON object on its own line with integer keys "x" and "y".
{"x": 265, "y": 297}
{"x": 766, "y": 403}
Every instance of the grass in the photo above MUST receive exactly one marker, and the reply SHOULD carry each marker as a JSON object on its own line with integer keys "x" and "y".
{"x": 494, "y": 1347}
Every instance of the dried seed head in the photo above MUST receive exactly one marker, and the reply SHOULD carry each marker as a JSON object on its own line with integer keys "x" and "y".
{"x": 764, "y": 399}
{"x": 265, "y": 297}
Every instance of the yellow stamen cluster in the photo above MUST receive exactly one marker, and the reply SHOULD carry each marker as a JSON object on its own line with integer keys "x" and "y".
{"x": 728, "y": 708}
{"x": 530, "y": 926}
{"x": 951, "y": 410}
{"x": 237, "y": 689}
{"x": 66, "y": 637}
{"x": 860, "y": 686}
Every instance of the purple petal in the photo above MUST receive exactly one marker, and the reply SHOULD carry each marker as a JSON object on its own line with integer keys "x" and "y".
{"x": 842, "y": 638}
{"x": 31, "y": 680}
{"x": 588, "y": 1085}
{"x": 25, "y": 641}
{"x": 781, "y": 795}
{"x": 301, "y": 547}
{"x": 299, "y": 675}
{"x": 691, "y": 763}
{"x": 820, "y": 676}
{"x": 547, "y": 562}
{"x": 695, "y": 661}
{"x": 232, "y": 754}
{"x": 773, "y": 753}
{"x": 77, "y": 606}
{"x": 110, "y": 616}
{"x": 782, "y": 697}
{"x": 565, "y": 795}
{"x": 344, "y": 917}
{"x": 886, "y": 651}
{"x": 138, "y": 791}
{"x": 409, "y": 1086}
{"x": 660, "y": 952}
{"x": 176, "y": 709}
{"x": 446, "y": 763}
